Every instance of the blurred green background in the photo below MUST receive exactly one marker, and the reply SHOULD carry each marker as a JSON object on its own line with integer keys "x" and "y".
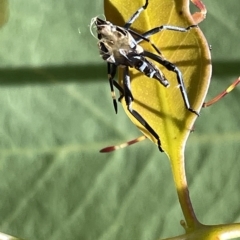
{"x": 56, "y": 113}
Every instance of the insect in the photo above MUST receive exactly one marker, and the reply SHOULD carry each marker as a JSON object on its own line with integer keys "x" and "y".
{"x": 119, "y": 47}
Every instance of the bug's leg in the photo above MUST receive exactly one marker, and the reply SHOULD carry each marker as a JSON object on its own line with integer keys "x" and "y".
{"x": 171, "y": 67}
{"x": 199, "y": 16}
{"x": 112, "y": 69}
{"x": 122, "y": 145}
{"x": 135, "y": 15}
{"x": 155, "y": 30}
{"x": 111, "y": 73}
{"x": 222, "y": 94}
{"x": 145, "y": 36}
{"x": 140, "y": 37}
{"x": 129, "y": 100}
{"x": 120, "y": 89}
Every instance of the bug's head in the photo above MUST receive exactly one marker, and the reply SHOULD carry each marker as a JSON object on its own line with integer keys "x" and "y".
{"x": 101, "y": 26}
{"x": 100, "y": 22}
{"x": 107, "y": 32}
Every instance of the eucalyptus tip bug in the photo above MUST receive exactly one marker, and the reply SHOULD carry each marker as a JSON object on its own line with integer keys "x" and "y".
{"x": 119, "y": 47}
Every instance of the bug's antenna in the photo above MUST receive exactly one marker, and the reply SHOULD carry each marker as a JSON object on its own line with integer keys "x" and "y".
{"x": 92, "y": 25}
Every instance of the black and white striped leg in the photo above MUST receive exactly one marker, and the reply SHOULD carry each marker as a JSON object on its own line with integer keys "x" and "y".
{"x": 129, "y": 100}
{"x": 120, "y": 89}
{"x": 167, "y": 27}
{"x": 135, "y": 16}
{"x": 146, "y": 35}
{"x": 112, "y": 69}
{"x": 171, "y": 67}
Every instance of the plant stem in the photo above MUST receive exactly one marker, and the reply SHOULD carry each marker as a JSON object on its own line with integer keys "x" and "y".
{"x": 179, "y": 175}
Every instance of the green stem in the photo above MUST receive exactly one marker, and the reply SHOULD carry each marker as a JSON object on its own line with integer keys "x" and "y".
{"x": 179, "y": 175}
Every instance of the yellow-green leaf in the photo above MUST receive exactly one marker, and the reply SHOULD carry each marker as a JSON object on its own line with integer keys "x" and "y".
{"x": 163, "y": 108}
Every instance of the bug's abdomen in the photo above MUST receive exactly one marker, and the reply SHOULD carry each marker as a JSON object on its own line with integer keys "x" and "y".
{"x": 146, "y": 67}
